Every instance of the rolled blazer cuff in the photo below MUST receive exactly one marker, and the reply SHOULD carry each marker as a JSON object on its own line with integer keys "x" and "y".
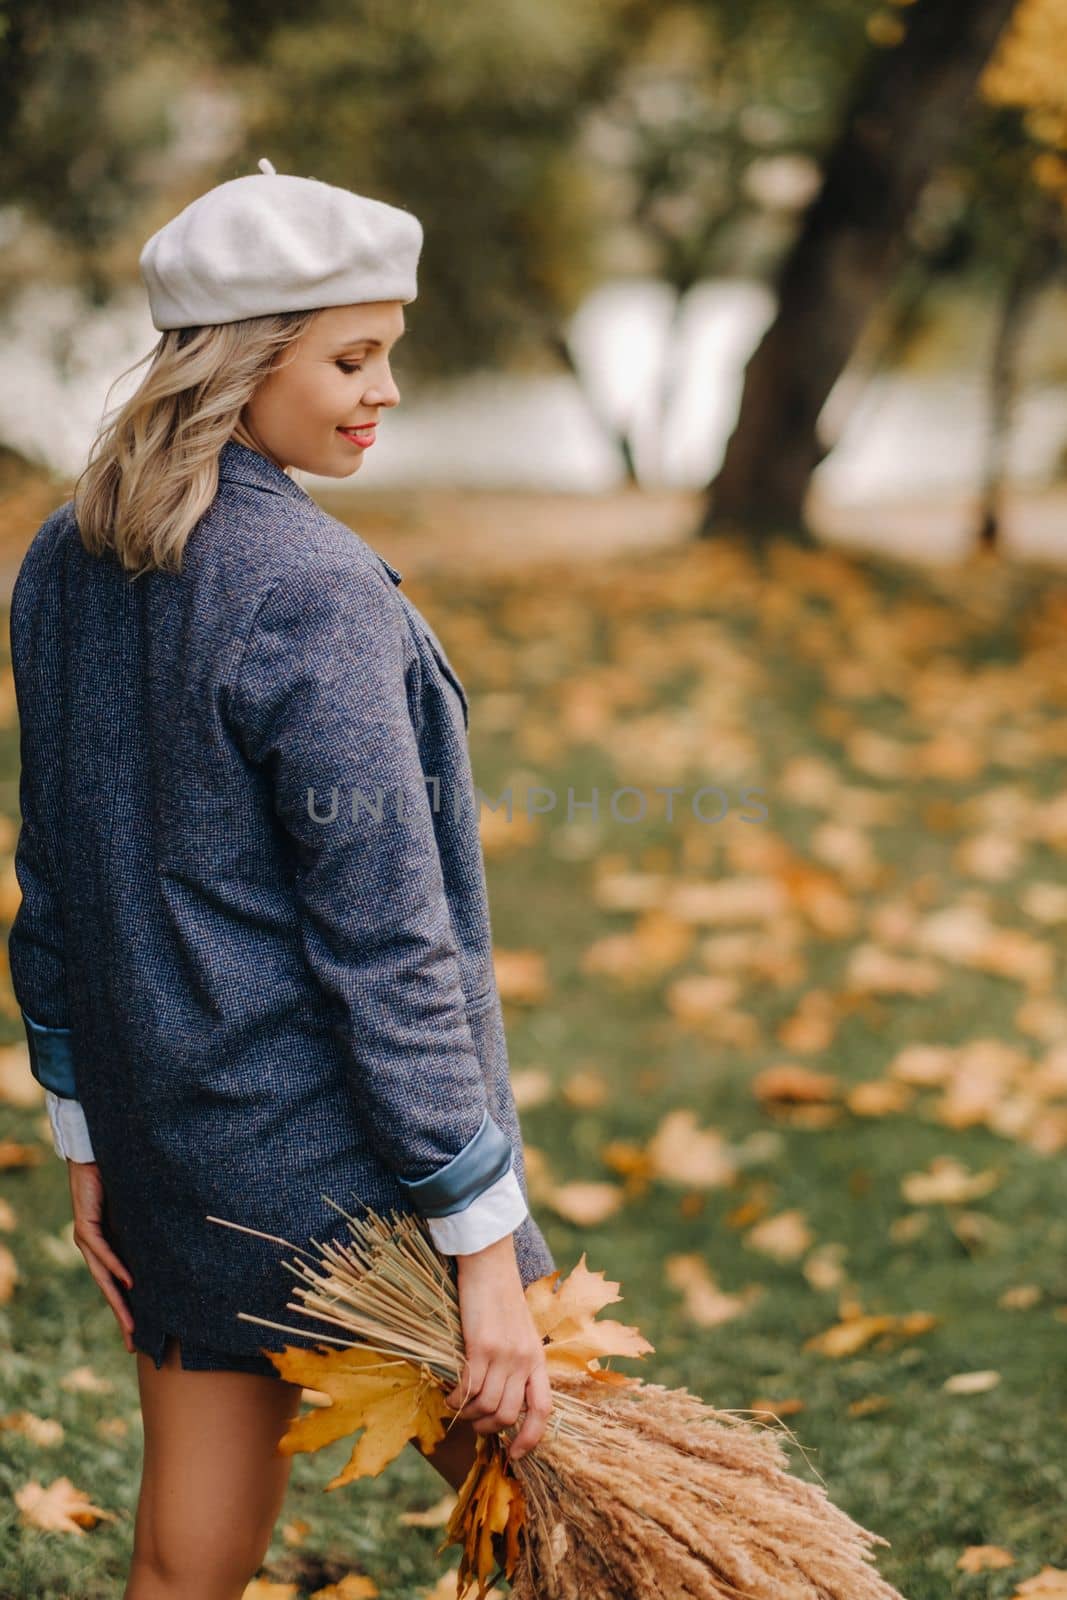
{"x": 51, "y": 1061}
{"x": 70, "y": 1131}
{"x": 483, "y": 1159}
{"x": 494, "y": 1215}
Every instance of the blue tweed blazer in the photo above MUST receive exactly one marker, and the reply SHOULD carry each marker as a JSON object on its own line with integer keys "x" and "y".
{"x": 254, "y": 940}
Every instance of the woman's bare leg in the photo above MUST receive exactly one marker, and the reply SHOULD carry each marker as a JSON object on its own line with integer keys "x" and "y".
{"x": 212, "y": 1483}
{"x": 453, "y": 1457}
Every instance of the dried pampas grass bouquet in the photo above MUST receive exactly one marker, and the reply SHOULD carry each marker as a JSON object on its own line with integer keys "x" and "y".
{"x": 633, "y": 1492}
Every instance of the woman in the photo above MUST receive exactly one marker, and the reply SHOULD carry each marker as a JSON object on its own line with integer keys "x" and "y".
{"x": 253, "y": 954}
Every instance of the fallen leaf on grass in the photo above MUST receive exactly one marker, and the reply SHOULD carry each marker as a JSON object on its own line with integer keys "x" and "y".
{"x": 852, "y": 1334}
{"x": 785, "y": 1237}
{"x": 905, "y": 1230}
{"x": 755, "y": 1205}
{"x": 83, "y": 1380}
{"x": 1044, "y": 902}
{"x": 878, "y": 1097}
{"x": 445, "y": 1589}
{"x": 61, "y": 1249}
{"x": 812, "y": 1024}
{"x": 704, "y": 1302}
{"x": 878, "y": 755}
{"x": 681, "y": 1153}
{"x": 733, "y": 900}
{"x": 974, "y": 1229}
{"x": 18, "y": 1086}
{"x": 9, "y": 1274}
{"x": 777, "y": 1408}
{"x": 521, "y": 976}
{"x": 824, "y": 1266}
{"x": 354, "y": 1586}
{"x": 971, "y": 1382}
{"x": 59, "y": 1508}
{"x": 713, "y": 1016}
{"x": 1048, "y": 1584}
{"x": 869, "y": 1405}
{"x": 770, "y": 956}
{"x": 435, "y": 1516}
{"x": 1020, "y": 1297}
{"x": 794, "y": 1084}
{"x": 813, "y": 1117}
{"x": 877, "y": 971}
{"x": 584, "y": 1204}
{"x": 39, "y": 1430}
{"x": 586, "y": 1090}
{"x": 531, "y": 1086}
{"x": 631, "y": 1161}
{"x": 985, "y": 1558}
{"x": 923, "y": 1064}
{"x": 845, "y": 1338}
{"x": 964, "y": 935}
{"x": 947, "y": 1182}
{"x": 14, "y": 1154}
{"x": 624, "y": 957}
{"x": 825, "y": 904}
{"x": 994, "y": 857}
{"x": 849, "y": 850}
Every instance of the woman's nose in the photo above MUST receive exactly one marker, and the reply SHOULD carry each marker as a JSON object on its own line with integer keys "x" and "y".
{"x": 383, "y": 394}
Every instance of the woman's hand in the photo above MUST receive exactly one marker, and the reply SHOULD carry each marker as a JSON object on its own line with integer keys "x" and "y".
{"x": 87, "y": 1202}
{"x": 505, "y": 1372}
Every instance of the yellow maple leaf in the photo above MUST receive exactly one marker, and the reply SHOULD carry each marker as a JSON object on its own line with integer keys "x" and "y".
{"x": 59, "y": 1507}
{"x": 490, "y": 1501}
{"x": 565, "y": 1317}
{"x": 383, "y": 1398}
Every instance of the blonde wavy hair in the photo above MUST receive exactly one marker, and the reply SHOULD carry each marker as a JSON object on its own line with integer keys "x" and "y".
{"x": 153, "y": 468}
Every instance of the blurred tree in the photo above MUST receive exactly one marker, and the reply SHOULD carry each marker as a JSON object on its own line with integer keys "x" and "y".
{"x": 1028, "y": 73}
{"x": 90, "y": 98}
{"x": 547, "y": 145}
{"x": 903, "y": 117}
{"x": 466, "y": 115}
{"x": 708, "y": 147}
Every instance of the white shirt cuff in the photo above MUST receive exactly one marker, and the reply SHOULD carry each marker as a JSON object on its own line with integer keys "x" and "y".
{"x": 491, "y": 1215}
{"x": 70, "y": 1132}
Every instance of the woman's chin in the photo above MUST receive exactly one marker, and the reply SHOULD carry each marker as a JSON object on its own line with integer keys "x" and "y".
{"x": 334, "y": 471}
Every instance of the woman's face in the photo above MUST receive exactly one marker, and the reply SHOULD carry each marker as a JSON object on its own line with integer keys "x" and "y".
{"x": 336, "y": 377}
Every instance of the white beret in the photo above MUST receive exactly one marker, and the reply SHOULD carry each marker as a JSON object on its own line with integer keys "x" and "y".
{"x": 274, "y": 242}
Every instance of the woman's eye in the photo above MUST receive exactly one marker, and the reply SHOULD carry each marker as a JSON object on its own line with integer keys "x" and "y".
{"x": 349, "y": 366}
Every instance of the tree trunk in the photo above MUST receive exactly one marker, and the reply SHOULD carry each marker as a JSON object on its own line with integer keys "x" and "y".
{"x": 902, "y": 120}
{"x": 1036, "y": 263}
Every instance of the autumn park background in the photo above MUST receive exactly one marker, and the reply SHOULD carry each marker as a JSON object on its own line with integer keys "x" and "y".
{"x": 791, "y": 1060}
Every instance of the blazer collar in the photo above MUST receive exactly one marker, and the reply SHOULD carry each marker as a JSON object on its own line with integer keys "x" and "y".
{"x": 239, "y": 463}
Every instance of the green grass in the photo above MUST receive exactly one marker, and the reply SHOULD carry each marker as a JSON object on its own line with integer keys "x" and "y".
{"x": 934, "y": 1472}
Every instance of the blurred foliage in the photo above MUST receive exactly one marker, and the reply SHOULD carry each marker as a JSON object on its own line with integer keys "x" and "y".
{"x": 1029, "y": 71}
{"x": 88, "y": 114}
{"x": 468, "y": 117}
{"x": 544, "y": 147}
